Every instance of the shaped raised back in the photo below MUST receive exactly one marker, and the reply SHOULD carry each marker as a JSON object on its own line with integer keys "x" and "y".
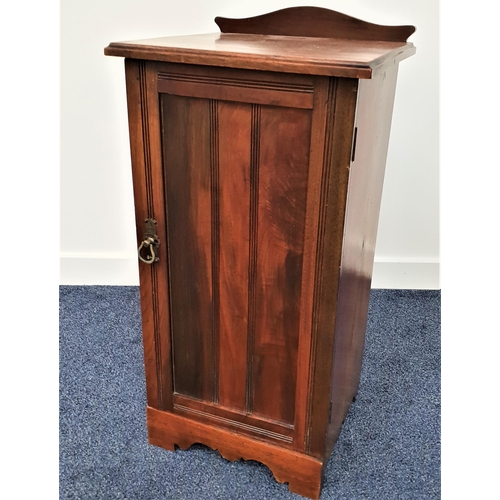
{"x": 314, "y": 22}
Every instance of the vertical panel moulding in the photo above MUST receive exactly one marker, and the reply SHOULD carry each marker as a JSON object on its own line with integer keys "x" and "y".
{"x": 150, "y": 208}
{"x": 252, "y": 266}
{"x": 327, "y": 164}
{"x": 214, "y": 169}
{"x": 312, "y": 214}
{"x": 136, "y": 136}
{"x": 167, "y": 245}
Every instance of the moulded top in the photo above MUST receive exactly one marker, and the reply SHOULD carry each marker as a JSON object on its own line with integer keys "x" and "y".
{"x": 306, "y": 40}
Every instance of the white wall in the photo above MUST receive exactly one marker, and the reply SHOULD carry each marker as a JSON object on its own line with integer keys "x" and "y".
{"x": 97, "y": 236}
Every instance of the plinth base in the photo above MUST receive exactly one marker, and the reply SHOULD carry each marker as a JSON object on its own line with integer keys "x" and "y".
{"x": 302, "y": 472}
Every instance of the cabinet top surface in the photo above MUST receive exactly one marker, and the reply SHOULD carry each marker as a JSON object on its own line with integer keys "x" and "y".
{"x": 308, "y": 40}
{"x": 289, "y": 54}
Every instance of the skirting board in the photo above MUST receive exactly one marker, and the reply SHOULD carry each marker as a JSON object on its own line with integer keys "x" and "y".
{"x": 122, "y": 269}
{"x": 113, "y": 269}
{"x": 421, "y": 275}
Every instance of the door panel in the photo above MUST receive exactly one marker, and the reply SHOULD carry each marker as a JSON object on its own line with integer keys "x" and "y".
{"x": 235, "y": 178}
{"x": 234, "y": 127}
{"x": 186, "y": 154}
{"x": 282, "y": 187}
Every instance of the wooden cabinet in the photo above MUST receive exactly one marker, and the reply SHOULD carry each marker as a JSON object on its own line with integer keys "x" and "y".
{"x": 258, "y": 157}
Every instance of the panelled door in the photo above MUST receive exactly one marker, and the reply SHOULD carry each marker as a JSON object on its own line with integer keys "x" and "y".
{"x": 241, "y": 180}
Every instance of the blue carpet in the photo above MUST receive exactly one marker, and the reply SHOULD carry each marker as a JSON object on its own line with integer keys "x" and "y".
{"x": 389, "y": 447}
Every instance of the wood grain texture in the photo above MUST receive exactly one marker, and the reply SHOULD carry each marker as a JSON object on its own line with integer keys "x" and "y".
{"x": 188, "y": 184}
{"x": 145, "y": 146}
{"x": 236, "y": 90}
{"x": 284, "y": 54}
{"x": 244, "y": 79}
{"x": 234, "y": 127}
{"x": 303, "y": 473}
{"x": 314, "y": 22}
{"x": 316, "y": 160}
{"x": 373, "y": 119}
{"x": 283, "y": 173}
{"x": 236, "y": 420}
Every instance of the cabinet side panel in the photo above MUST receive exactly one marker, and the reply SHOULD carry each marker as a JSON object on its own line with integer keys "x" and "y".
{"x": 373, "y": 121}
{"x": 187, "y": 164}
{"x": 234, "y": 124}
{"x": 284, "y": 143}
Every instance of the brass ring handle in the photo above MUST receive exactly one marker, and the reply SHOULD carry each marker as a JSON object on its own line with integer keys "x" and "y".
{"x": 147, "y": 243}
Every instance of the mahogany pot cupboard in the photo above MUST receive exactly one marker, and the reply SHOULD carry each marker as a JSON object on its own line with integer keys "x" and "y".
{"x": 258, "y": 157}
